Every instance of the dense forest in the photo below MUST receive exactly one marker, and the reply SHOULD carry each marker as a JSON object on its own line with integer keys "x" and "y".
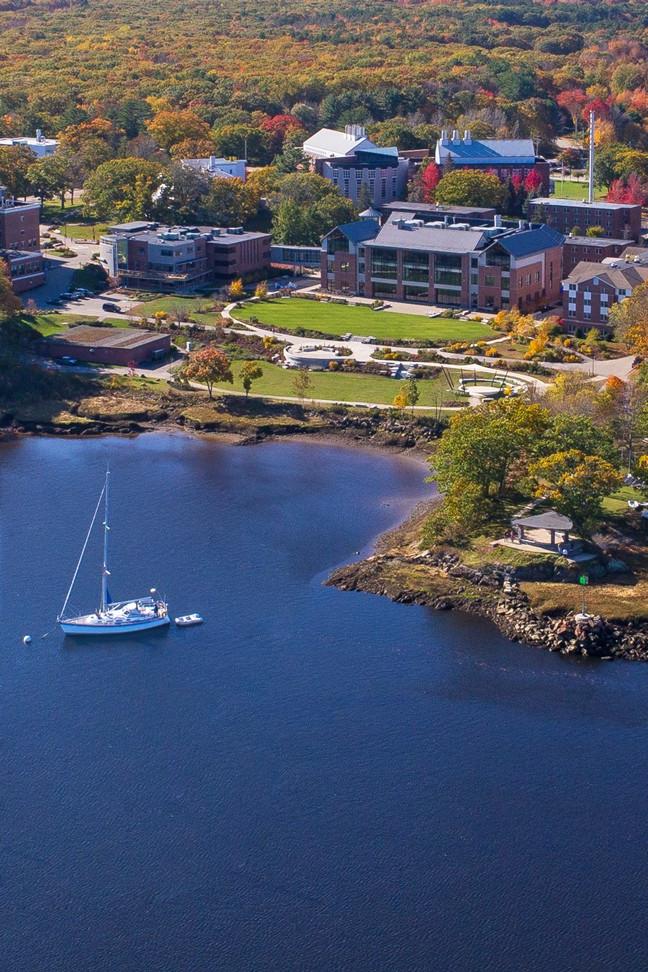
{"x": 526, "y": 67}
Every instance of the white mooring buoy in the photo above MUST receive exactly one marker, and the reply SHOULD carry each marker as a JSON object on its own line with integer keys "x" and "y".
{"x": 27, "y": 640}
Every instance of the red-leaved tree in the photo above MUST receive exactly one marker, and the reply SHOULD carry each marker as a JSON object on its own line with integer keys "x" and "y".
{"x": 430, "y": 179}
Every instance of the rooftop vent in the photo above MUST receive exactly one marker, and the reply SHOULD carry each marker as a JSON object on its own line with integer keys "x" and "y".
{"x": 355, "y": 131}
{"x": 467, "y": 137}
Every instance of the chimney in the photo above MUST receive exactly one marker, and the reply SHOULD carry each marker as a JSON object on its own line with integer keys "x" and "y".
{"x": 39, "y": 135}
{"x": 455, "y": 135}
{"x": 212, "y": 163}
{"x": 467, "y": 137}
{"x": 497, "y": 221}
{"x": 521, "y": 224}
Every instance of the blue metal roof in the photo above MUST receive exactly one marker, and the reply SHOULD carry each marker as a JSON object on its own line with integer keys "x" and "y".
{"x": 361, "y": 229}
{"x": 531, "y": 241}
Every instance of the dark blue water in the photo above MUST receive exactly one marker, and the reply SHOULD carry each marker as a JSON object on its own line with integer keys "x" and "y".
{"x": 314, "y": 780}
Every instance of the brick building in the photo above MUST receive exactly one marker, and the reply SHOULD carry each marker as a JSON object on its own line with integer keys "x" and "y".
{"x": 124, "y": 346}
{"x": 20, "y": 242}
{"x": 591, "y": 289}
{"x": 350, "y": 161}
{"x": 486, "y": 267}
{"x": 181, "y": 258}
{"x": 620, "y": 221}
{"x": 506, "y": 157}
{"x": 589, "y": 249}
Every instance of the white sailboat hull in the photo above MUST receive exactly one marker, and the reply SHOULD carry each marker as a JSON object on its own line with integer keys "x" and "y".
{"x": 81, "y": 627}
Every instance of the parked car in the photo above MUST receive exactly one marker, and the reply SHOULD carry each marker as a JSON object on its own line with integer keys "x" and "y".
{"x": 112, "y": 308}
{"x": 67, "y": 295}
{"x": 67, "y": 360}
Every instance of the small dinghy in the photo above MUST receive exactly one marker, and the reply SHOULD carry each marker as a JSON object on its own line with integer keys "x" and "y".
{"x": 186, "y": 620}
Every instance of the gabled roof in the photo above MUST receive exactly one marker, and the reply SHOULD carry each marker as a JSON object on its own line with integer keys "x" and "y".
{"x": 531, "y": 241}
{"x": 329, "y": 143}
{"x": 358, "y": 231}
{"x": 519, "y": 151}
{"x": 618, "y": 273}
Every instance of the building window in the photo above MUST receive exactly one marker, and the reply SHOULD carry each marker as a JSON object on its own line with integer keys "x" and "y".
{"x": 489, "y": 280}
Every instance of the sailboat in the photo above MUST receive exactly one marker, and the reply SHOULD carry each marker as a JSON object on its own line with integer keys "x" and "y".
{"x": 112, "y": 617}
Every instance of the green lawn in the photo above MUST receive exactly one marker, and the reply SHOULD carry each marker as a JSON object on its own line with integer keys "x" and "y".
{"x": 339, "y": 319}
{"x": 334, "y": 386}
{"x": 194, "y": 307}
{"x": 569, "y": 189}
{"x": 618, "y": 502}
{"x": 84, "y": 231}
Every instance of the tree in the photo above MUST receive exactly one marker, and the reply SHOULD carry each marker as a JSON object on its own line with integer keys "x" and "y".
{"x": 243, "y": 141}
{"x": 400, "y": 399}
{"x": 463, "y": 187}
{"x": 306, "y": 206}
{"x": 170, "y": 127}
{"x": 430, "y": 179}
{"x": 230, "y": 202}
{"x": 236, "y": 290}
{"x": 412, "y": 393}
{"x": 208, "y": 366}
{"x": 302, "y": 383}
{"x": 261, "y": 289}
{"x": 572, "y": 101}
{"x": 567, "y": 430}
{"x": 575, "y": 484}
{"x": 595, "y": 231}
{"x": 51, "y": 176}
{"x": 122, "y": 189}
{"x": 250, "y": 371}
{"x": 9, "y": 303}
{"x": 488, "y": 446}
{"x": 629, "y": 318}
{"x": 15, "y": 161}
{"x": 181, "y": 197}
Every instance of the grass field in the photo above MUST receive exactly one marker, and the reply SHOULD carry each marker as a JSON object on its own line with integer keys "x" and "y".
{"x": 618, "y": 502}
{"x": 569, "y": 189}
{"x": 194, "y": 307}
{"x": 84, "y": 231}
{"x": 333, "y": 386}
{"x": 339, "y": 319}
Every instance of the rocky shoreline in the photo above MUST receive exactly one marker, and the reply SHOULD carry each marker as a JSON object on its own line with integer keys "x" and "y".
{"x": 224, "y": 418}
{"x": 440, "y": 581}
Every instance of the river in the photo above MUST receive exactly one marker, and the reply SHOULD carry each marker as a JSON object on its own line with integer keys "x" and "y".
{"x": 313, "y": 780}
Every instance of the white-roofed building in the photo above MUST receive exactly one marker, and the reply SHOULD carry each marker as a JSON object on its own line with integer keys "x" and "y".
{"x": 39, "y": 145}
{"x": 217, "y": 168}
{"x": 350, "y": 160}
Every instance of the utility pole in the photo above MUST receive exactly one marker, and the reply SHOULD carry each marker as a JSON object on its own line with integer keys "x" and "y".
{"x": 592, "y": 128}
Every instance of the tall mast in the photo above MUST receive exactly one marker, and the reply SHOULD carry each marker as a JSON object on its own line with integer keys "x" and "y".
{"x": 590, "y": 181}
{"x": 105, "y": 573}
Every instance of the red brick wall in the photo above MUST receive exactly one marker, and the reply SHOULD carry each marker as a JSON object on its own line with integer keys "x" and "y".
{"x": 19, "y": 228}
{"x": 105, "y": 355}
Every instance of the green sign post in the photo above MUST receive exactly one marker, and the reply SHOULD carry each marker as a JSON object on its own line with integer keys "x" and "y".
{"x": 583, "y": 580}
